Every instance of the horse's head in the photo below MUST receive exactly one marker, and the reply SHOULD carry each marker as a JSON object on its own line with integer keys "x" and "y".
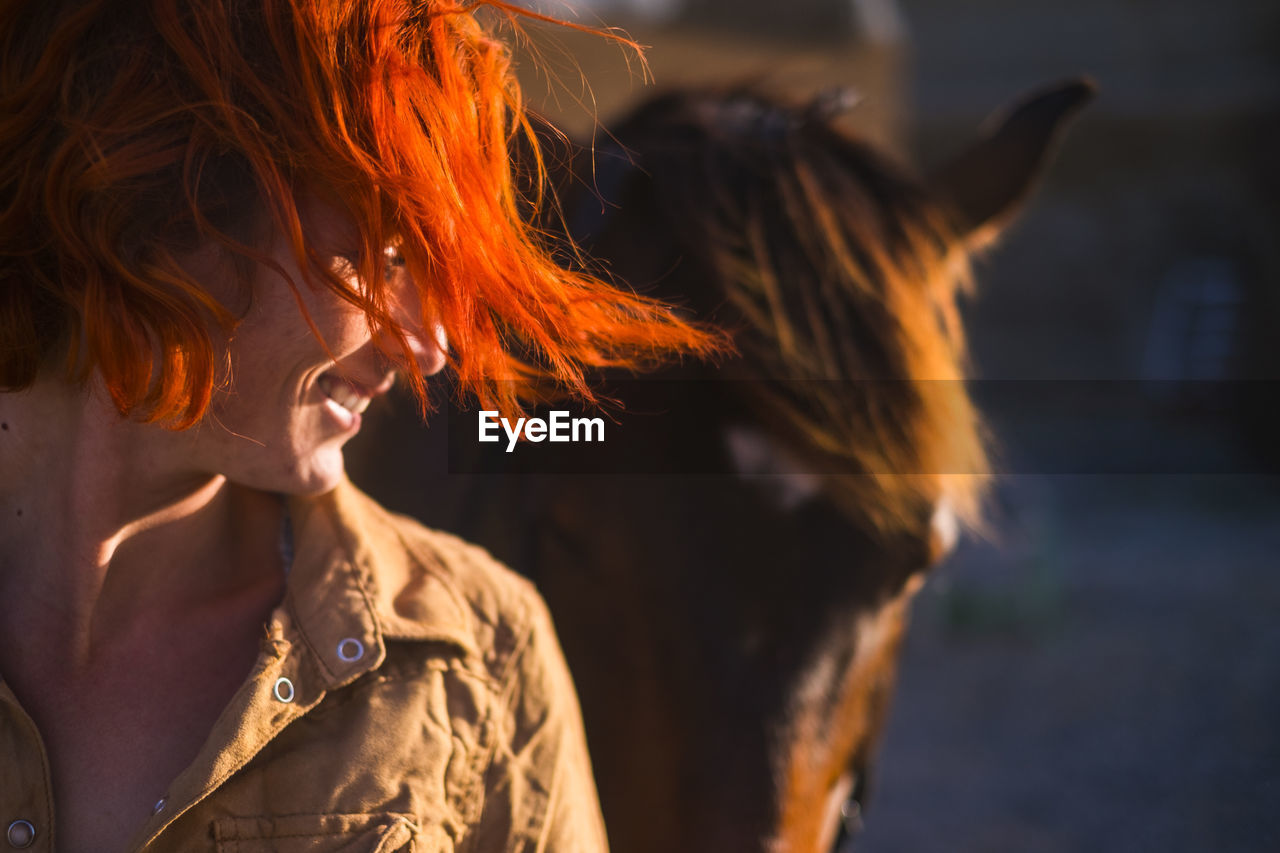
{"x": 838, "y": 271}
{"x": 735, "y": 637}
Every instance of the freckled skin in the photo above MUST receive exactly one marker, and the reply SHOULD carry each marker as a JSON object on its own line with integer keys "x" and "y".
{"x": 274, "y": 429}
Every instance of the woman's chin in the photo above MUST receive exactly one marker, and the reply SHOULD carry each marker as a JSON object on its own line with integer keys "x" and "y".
{"x": 324, "y": 479}
{"x": 317, "y": 474}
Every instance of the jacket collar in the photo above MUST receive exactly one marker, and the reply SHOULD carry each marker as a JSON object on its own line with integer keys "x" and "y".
{"x": 358, "y": 580}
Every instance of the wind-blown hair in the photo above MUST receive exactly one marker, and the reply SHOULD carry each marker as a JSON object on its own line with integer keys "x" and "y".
{"x": 130, "y": 132}
{"x": 839, "y": 272}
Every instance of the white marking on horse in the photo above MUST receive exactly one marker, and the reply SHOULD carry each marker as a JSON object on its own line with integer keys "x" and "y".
{"x": 946, "y": 525}
{"x": 756, "y": 455}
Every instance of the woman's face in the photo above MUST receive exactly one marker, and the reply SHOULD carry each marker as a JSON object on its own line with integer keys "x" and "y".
{"x": 292, "y": 402}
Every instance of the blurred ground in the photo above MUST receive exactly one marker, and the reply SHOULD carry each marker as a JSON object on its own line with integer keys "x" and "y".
{"x": 1106, "y": 679}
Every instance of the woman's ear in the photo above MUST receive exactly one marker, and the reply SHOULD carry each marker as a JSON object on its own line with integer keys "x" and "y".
{"x": 983, "y": 186}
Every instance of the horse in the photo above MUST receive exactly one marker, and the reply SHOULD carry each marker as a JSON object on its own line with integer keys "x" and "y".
{"x": 732, "y": 598}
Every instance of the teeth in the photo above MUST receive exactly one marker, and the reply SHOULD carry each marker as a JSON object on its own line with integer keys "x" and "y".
{"x": 344, "y": 394}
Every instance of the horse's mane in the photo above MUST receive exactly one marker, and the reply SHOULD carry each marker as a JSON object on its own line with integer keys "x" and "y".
{"x": 840, "y": 275}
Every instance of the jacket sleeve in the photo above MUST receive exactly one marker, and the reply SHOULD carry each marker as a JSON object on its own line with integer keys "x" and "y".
{"x": 540, "y": 796}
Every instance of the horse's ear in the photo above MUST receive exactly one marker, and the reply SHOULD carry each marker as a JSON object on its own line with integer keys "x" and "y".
{"x": 983, "y": 186}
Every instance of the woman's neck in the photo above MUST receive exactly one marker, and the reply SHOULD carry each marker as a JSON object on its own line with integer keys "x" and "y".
{"x": 106, "y": 536}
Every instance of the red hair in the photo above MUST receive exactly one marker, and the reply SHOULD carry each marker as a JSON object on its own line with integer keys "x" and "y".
{"x": 130, "y": 132}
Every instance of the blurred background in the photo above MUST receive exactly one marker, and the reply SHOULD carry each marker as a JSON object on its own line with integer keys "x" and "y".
{"x": 1104, "y": 674}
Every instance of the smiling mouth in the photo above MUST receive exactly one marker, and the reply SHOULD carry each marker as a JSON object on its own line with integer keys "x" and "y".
{"x": 350, "y": 396}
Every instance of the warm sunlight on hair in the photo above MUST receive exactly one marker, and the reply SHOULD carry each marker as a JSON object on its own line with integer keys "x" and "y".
{"x": 148, "y": 129}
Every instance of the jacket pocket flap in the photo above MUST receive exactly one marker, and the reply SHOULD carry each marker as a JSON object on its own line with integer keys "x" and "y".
{"x": 330, "y": 833}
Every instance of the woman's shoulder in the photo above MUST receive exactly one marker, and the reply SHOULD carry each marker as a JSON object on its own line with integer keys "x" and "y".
{"x": 425, "y": 676}
{"x": 423, "y": 584}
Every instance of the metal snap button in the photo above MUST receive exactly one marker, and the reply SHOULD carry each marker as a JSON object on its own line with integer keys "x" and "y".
{"x": 284, "y": 690}
{"x": 21, "y": 834}
{"x": 350, "y": 649}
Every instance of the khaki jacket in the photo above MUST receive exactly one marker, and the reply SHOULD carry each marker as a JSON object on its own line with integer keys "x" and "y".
{"x": 410, "y": 695}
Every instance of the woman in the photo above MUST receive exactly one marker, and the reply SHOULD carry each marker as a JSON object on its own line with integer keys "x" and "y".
{"x": 225, "y": 226}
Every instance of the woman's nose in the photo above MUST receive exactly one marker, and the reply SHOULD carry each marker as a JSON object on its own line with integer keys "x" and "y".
{"x": 429, "y": 349}
{"x": 430, "y": 355}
